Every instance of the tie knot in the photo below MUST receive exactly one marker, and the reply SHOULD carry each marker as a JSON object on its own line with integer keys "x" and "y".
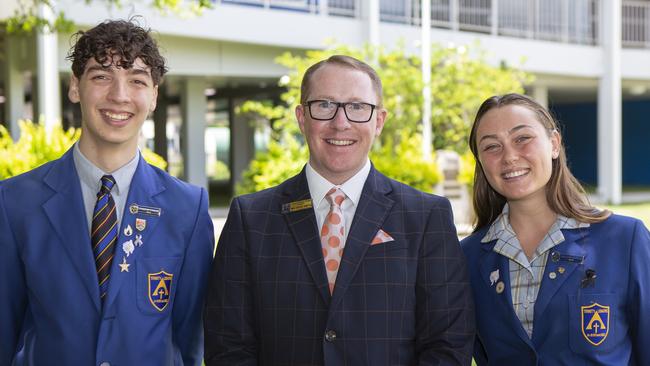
{"x": 335, "y": 197}
{"x": 107, "y": 184}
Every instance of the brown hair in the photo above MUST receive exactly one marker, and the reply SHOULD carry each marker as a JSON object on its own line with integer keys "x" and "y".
{"x": 125, "y": 40}
{"x": 344, "y": 61}
{"x": 564, "y": 193}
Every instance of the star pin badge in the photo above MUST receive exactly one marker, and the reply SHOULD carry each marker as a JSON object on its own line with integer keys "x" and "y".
{"x": 124, "y": 267}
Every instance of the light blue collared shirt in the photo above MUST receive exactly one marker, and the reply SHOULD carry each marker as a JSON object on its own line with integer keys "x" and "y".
{"x": 90, "y": 178}
{"x": 526, "y": 274}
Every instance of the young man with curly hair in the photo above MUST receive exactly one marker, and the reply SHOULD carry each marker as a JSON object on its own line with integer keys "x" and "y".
{"x": 104, "y": 258}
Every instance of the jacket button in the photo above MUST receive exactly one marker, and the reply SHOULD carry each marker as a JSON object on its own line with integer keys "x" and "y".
{"x": 330, "y": 335}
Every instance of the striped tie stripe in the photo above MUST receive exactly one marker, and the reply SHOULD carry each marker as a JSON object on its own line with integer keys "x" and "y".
{"x": 104, "y": 233}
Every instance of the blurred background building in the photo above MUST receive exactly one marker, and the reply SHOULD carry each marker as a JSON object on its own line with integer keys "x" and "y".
{"x": 590, "y": 58}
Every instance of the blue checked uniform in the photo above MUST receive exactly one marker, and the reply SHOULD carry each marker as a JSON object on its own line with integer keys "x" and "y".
{"x": 606, "y": 322}
{"x": 50, "y": 308}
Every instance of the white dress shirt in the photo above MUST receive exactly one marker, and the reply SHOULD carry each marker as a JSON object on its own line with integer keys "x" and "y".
{"x": 319, "y": 186}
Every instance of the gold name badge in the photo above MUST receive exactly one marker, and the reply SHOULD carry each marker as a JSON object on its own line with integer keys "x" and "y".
{"x": 296, "y": 206}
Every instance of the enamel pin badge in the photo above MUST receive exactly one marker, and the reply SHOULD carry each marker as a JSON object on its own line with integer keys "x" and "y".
{"x": 145, "y": 210}
{"x": 140, "y": 224}
{"x": 124, "y": 267}
{"x": 494, "y": 277}
{"x": 500, "y": 287}
{"x": 128, "y": 247}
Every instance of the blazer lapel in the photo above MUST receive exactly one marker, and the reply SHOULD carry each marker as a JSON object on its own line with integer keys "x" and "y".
{"x": 567, "y": 255}
{"x": 302, "y": 224}
{"x": 491, "y": 262}
{"x": 373, "y": 209}
{"x": 65, "y": 210}
{"x": 145, "y": 185}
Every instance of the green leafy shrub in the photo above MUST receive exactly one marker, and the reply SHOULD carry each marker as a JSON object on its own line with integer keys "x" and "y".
{"x": 153, "y": 158}
{"x": 402, "y": 160}
{"x": 280, "y": 162}
{"x": 38, "y": 145}
{"x": 219, "y": 171}
{"x": 466, "y": 172}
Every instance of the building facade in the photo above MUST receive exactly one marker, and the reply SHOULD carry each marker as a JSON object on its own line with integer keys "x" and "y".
{"x": 590, "y": 59}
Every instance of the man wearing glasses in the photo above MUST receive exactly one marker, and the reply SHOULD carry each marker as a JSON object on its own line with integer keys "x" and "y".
{"x": 339, "y": 265}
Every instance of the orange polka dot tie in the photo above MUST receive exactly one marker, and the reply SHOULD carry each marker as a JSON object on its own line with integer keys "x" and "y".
{"x": 332, "y": 235}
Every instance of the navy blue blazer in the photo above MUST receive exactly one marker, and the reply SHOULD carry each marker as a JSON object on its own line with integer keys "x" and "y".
{"x": 50, "y": 310}
{"x": 606, "y": 321}
{"x": 402, "y": 302}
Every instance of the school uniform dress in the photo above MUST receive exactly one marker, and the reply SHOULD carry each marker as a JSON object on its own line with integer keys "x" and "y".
{"x": 51, "y": 310}
{"x": 582, "y": 299}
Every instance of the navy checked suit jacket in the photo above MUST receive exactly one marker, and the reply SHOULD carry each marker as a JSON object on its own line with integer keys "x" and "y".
{"x": 403, "y": 302}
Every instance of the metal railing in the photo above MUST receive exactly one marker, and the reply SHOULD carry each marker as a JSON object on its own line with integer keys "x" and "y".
{"x": 636, "y": 24}
{"x": 567, "y": 21}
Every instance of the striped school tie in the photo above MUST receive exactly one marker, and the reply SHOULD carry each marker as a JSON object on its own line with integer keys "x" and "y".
{"x": 104, "y": 233}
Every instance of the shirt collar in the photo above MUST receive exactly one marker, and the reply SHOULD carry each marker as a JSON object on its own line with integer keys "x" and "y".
{"x": 319, "y": 186}
{"x": 91, "y": 175}
{"x": 501, "y": 229}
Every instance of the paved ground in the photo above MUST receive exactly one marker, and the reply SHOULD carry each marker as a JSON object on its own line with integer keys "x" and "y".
{"x": 218, "y": 215}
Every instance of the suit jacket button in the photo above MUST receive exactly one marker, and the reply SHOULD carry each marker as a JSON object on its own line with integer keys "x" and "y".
{"x": 330, "y": 335}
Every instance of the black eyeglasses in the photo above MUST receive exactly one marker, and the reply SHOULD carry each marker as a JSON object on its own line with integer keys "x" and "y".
{"x": 325, "y": 110}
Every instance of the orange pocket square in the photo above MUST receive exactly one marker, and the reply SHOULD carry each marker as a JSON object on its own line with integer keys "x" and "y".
{"x": 381, "y": 237}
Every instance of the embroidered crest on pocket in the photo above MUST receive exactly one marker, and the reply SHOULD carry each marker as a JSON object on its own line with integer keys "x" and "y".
{"x": 160, "y": 286}
{"x": 595, "y": 323}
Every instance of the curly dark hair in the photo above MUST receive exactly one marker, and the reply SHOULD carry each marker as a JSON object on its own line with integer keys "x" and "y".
{"x": 117, "y": 38}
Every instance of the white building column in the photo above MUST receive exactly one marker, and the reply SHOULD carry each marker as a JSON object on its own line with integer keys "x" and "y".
{"x": 242, "y": 142}
{"x": 14, "y": 85}
{"x": 427, "y": 134}
{"x": 193, "y": 108}
{"x": 372, "y": 15}
{"x": 47, "y": 71}
{"x": 540, "y": 94}
{"x": 610, "y": 124}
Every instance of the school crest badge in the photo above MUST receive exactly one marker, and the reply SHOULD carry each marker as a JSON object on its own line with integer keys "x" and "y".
{"x": 595, "y": 323}
{"x": 160, "y": 286}
{"x": 140, "y": 224}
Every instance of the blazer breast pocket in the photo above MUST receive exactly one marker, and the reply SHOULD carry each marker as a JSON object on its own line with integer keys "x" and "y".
{"x": 157, "y": 279}
{"x": 594, "y": 322}
{"x": 389, "y": 248}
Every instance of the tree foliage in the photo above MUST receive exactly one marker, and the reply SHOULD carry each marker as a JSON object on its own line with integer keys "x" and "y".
{"x": 27, "y": 19}
{"x": 461, "y": 80}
